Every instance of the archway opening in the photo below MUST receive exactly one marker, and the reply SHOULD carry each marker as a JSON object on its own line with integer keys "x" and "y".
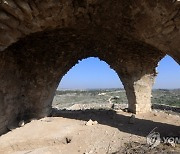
{"x": 90, "y": 84}
{"x": 166, "y": 90}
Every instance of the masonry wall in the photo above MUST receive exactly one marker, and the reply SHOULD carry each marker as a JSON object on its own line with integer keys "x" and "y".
{"x": 10, "y": 93}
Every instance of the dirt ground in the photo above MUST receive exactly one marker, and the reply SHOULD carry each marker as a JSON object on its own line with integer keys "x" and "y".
{"x": 66, "y": 132}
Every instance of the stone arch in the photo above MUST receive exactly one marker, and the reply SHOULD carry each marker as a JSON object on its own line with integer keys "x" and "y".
{"x": 90, "y": 73}
{"x": 41, "y": 40}
{"x": 34, "y": 65}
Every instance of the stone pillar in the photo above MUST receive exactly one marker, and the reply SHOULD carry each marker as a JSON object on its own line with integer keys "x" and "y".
{"x": 138, "y": 91}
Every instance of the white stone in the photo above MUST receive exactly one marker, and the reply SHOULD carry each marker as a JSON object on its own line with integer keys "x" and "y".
{"x": 90, "y": 123}
{"x": 21, "y": 123}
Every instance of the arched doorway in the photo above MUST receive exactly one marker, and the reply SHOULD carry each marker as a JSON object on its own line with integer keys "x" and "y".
{"x": 90, "y": 73}
{"x": 91, "y": 82}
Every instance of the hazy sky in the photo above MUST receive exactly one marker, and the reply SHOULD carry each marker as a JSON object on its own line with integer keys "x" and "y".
{"x": 93, "y": 73}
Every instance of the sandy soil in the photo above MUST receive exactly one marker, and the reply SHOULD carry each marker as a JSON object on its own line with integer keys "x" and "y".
{"x": 67, "y": 133}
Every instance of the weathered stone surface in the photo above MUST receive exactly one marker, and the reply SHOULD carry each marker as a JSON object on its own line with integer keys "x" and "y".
{"x": 153, "y": 22}
{"x": 41, "y": 40}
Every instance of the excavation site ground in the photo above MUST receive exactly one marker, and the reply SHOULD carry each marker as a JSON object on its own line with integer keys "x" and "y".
{"x": 89, "y": 128}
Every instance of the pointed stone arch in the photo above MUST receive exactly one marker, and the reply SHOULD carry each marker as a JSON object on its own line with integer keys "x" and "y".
{"x": 34, "y": 65}
{"x": 90, "y": 73}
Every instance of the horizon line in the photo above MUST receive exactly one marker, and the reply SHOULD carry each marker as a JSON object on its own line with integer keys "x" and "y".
{"x": 112, "y": 88}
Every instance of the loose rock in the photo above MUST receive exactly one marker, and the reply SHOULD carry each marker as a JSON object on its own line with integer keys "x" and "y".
{"x": 11, "y": 128}
{"x": 21, "y": 123}
{"x": 132, "y": 119}
{"x": 90, "y": 123}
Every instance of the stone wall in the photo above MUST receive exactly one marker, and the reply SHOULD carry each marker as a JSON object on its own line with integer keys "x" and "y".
{"x": 10, "y": 84}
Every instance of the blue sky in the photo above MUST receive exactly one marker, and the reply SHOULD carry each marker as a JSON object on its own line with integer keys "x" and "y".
{"x": 168, "y": 74}
{"x": 93, "y": 73}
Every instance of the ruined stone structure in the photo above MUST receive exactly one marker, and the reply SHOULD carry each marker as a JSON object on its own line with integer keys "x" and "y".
{"x": 40, "y": 40}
